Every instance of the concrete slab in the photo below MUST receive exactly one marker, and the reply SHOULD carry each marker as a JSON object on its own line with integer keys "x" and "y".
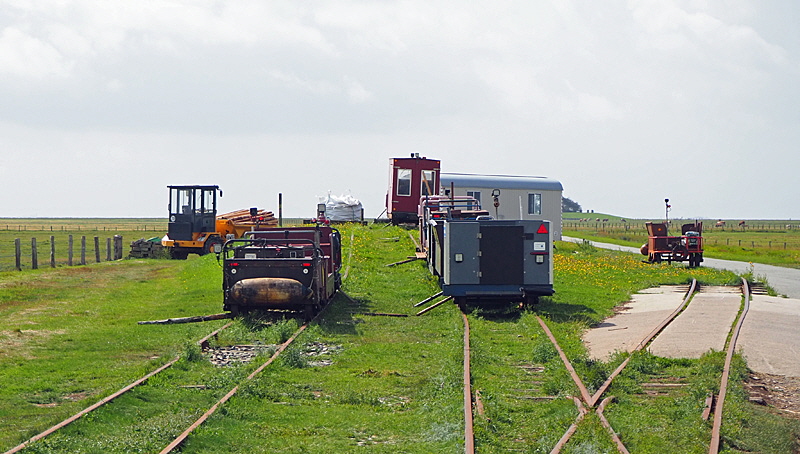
{"x": 770, "y": 336}
{"x": 634, "y": 321}
{"x": 703, "y": 326}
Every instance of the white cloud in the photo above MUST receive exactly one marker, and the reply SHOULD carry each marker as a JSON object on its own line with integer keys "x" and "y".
{"x": 567, "y": 89}
{"x": 24, "y": 56}
{"x": 356, "y": 92}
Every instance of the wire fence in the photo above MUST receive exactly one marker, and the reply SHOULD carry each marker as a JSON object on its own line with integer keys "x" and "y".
{"x": 758, "y": 235}
{"x": 32, "y": 227}
{"x": 640, "y": 227}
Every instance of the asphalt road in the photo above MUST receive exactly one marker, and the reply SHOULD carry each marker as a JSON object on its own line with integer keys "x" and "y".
{"x": 786, "y": 281}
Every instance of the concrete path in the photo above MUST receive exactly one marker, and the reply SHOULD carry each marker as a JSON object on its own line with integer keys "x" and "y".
{"x": 770, "y": 336}
{"x": 703, "y": 326}
{"x": 786, "y": 281}
{"x": 634, "y": 321}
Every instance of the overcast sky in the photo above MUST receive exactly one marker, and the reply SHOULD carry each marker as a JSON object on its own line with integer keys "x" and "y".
{"x": 105, "y": 103}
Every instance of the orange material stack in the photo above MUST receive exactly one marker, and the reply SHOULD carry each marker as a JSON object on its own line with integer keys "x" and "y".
{"x": 243, "y": 218}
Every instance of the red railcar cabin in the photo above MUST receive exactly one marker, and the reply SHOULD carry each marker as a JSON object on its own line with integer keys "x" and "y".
{"x": 410, "y": 179}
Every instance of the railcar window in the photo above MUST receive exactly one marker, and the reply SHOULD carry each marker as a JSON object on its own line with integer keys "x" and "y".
{"x": 403, "y": 181}
{"x": 475, "y": 194}
{"x": 428, "y": 182}
{"x": 534, "y": 204}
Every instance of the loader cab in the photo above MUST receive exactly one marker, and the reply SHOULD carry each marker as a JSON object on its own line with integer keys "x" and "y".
{"x": 192, "y": 209}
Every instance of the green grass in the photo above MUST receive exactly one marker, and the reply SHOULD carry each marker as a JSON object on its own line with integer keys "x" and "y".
{"x": 394, "y": 386}
{"x": 61, "y": 229}
{"x": 524, "y": 384}
{"x": 68, "y": 336}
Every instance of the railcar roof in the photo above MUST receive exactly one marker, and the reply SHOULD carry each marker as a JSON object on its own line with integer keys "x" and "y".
{"x": 500, "y": 181}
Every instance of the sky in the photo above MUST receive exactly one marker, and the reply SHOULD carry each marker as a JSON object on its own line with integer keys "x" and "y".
{"x": 626, "y": 103}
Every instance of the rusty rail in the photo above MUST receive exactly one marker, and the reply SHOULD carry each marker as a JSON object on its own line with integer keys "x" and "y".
{"x": 582, "y": 412}
{"x": 469, "y": 435}
{"x": 620, "y": 446}
{"x": 723, "y": 387}
{"x": 434, "y": 305}
{"x": 604, "y": 387}
{"x": 581, "y": 387}
{"x": 591, "y": 401}
{"x": 182, "y": 437}
{"x": 202, "y": 342}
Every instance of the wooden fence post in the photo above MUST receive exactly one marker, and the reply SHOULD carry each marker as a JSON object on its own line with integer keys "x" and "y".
{"x": 117, "y": 247}
{"x": 52, "y": 251}
{"x": 69, "y": 251}
{"x": 83, "y": 250}
{"x": 97, "y": 249}
{"x": 18, "y": 253}
{"x": 108, "y": 249}
{"x": 34, "y": 255}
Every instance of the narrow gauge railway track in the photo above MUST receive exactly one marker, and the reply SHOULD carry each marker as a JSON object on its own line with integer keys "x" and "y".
{"x": 587, "y": 401}
{"x": 202, "y": 343}
{"x": 178, "y": 441}
{"x": 185, "y": 434}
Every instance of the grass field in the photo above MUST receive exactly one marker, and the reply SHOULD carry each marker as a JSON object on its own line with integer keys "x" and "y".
{"x": 68, "y": 336}
{"x": 61, "y": 229}
{"x": 772, "y": 242}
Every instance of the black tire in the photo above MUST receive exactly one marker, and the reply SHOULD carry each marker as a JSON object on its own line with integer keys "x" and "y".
{"x": 680, "y": 253}
{"x": 178, "y": 254}
{"x": 531, "y": 300}
{"x": 308, "y": 312}
{"x": 208, "y": 247}
{"x": 337, "y": 281}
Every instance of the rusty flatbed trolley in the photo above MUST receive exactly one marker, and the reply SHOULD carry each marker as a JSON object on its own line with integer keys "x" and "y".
{"x": 293, "y": 268}
{"x": 688, "y": 247}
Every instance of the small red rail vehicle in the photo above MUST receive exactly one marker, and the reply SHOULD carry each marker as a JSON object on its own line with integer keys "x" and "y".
{"x": 688, "y": 247}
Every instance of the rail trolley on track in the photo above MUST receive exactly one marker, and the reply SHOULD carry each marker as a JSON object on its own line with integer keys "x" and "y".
{"x": 290, "y": 268}
{"x": 688, "y": 247}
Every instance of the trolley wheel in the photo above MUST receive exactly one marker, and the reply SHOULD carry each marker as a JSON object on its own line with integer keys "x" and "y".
{"x": 308, "y": 312}
{"x": 680, "y": 253}
{"x": 529, "y": 301}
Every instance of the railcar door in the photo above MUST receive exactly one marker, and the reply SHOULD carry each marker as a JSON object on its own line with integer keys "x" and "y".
{"x": 502, "y": 255}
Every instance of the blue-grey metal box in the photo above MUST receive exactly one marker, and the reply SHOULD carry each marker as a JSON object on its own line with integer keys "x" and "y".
{"x": 500, "y": 259}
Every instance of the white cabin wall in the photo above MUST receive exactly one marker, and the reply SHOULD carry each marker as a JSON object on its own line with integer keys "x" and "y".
{"x": 510, "y": 205}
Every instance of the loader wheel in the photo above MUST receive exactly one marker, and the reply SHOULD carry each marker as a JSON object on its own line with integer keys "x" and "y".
{"x": 208, "y": 248}
{"x": 178, "y": 255}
